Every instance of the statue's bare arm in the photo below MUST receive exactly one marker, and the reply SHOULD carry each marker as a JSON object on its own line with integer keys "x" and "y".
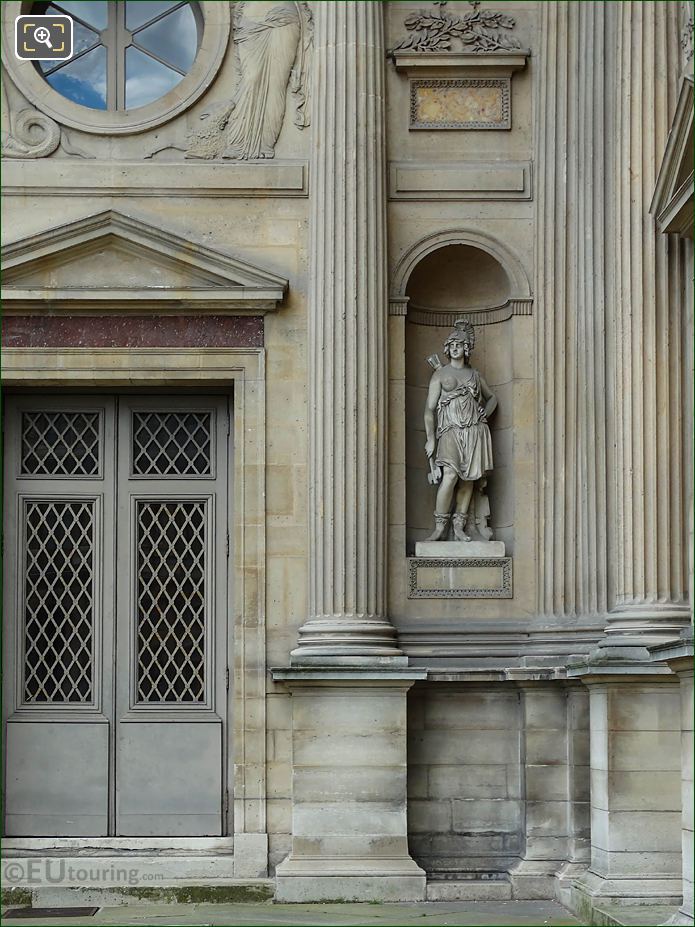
{"x": 430, "y": 411}
{"x": 489, "y": 397}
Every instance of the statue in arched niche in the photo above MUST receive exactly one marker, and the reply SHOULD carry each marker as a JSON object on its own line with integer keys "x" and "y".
{"x": 273, "y": 43}
{"x": 459, "y": 447}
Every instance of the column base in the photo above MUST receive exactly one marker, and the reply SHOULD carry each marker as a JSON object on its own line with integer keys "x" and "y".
{"x": 590, "y": 889}
{"x": 647, "y": 623}
{"x": 324, "y": 880}
{"x": 346, "y": 636}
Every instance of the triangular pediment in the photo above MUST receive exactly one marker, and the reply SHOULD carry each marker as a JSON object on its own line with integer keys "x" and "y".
{"x": 117, "y": 257}
{"x": 673, "y": 202}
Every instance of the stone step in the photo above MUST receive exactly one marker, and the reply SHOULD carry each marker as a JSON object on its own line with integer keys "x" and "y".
{"x": 131, "y": 869}
{"x": 469, "y": 890}
{"x": 181, "y": 891}
{"x": 636, "y": 915}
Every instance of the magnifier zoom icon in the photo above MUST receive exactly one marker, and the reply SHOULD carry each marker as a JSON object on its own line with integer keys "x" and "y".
{"x": 41, "y": 34}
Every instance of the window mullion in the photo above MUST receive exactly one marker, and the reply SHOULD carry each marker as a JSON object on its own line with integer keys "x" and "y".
{"x": 120, "y": 41}
{"x": 108, "y": 39}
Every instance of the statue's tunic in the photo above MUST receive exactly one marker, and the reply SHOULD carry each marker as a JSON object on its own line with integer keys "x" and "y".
{"x": 463, "y": 436}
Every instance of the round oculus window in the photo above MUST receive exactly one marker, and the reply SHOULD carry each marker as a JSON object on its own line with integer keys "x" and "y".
{"x": 126, "y": 54}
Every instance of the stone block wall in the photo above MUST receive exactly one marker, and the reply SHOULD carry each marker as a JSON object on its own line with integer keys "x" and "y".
{"x": 465, "y": 808}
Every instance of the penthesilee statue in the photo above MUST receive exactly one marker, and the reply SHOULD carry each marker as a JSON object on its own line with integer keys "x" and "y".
{"x": 459, "y": 448}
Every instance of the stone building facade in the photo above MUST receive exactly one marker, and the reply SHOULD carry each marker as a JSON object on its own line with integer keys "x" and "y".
{"x": 225, "y": 263}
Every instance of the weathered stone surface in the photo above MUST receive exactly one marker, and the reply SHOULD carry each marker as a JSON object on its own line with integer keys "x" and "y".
{"x": 358, "y": 245}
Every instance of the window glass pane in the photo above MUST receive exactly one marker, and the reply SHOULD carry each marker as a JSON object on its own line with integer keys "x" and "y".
{"x": 84, "y": 80}
{"x": 92, "y": 12}
{"x": 174, "y": 38}
{"x": 138, "y": 12}
{"x": 145, "y": 79}
{"x": 82, "y": 38}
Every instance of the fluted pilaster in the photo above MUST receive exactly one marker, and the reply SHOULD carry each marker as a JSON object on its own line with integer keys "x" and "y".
{"x": 347, "y": 334}
{"x": 611, "y": 325}
{"x": 573, "y": 226}
{"x": 650, "y": 380}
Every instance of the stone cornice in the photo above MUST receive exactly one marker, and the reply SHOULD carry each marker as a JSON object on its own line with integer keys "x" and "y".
{"x": 459, "y": 64}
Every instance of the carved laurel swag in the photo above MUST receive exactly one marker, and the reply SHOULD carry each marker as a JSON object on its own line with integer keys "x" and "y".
{"x": 477, "y": 31}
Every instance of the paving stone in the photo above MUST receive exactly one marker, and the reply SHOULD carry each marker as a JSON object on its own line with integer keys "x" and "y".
{"x": 428, "y": 914}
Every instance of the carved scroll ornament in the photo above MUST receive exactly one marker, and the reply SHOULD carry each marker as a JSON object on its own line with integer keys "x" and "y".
{"x": 27, "y": 133}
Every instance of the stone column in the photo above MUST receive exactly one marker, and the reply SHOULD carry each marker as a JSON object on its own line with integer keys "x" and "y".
{"x": 348, "y": 314}
{"x": 349, "y": 770}
{"x": 612, "y": 513}
{"x": 635, "y": 787}
{"x": 348, "y": 680}
{"x": 650, "y": 382}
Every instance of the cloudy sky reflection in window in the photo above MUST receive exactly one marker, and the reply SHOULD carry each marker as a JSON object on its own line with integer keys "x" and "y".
{"x": 155, "y": 50}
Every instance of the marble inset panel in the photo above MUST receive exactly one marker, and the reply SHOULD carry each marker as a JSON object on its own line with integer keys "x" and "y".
{"x": 460, "y": 578}
{"x": 147, "y": 331}
{"x": 460, "y": 103}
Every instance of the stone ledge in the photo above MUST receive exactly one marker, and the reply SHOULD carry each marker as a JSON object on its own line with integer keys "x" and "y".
{"x": 59, "y": 177}
{"x": 447, "y": 62}
{"x": 350, "y": 673}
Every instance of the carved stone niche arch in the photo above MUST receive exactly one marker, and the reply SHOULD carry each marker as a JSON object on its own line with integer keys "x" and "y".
{"x": 520, "y": 288}
{"x": 452, "y": 274}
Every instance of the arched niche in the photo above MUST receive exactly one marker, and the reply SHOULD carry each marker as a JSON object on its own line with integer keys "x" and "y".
{"x": 445, "y": 277}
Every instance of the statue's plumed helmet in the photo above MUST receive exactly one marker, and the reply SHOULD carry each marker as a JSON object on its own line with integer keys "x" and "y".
{"x": 463, "y": 331}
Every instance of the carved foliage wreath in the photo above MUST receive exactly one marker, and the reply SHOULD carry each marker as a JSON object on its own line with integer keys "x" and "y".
{"x": 478, "y": 31}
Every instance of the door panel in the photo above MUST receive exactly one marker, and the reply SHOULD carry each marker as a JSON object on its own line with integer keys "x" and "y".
{"x": 171, "y": 695}
{"x": 58, "y": 614}
{"x": 58, "y": 779}
{"x": 115, "y": 603}
{"x": 177, "y": 789}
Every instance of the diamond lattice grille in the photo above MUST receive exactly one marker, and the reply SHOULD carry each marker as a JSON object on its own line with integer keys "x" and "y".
{"x": 171, "y": 443}
{"x": 59, "y": 601}
{"x": 60, "y": 443}
{"x": 171, "y": 601}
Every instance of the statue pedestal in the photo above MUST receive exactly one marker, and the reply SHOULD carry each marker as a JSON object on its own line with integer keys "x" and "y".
{"x": 460, "y": 570}
{"x": 459, "y": 549}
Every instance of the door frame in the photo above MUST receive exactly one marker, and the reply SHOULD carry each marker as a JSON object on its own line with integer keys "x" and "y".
{"x": 241, "y": 371}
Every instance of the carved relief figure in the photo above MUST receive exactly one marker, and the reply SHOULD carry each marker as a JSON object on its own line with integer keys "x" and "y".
{"x": 459, "y": 447}
{"x": 273, "y": 39}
